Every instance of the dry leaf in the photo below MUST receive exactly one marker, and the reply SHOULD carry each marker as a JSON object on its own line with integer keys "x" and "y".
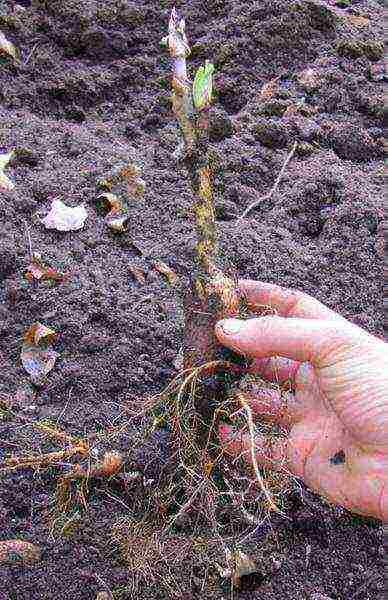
{"x": 117, "y": 218}
{"x": 38, "y": 333}
{"x": 136, "y": 185}
{"x": 269, "y": 89}
{"x": 165, "y": 270}
{"x": 65, "y": 218}
{"x": 138, "y": 274}
{"x": 7, "y": 47}
{"x": 239, "y": 564}
{"x": 130, "y": 172}
{"x": 37, "y": 356}
{"x": 5, "y": 182}
{"x": 39, "y": 270}
{"x": 13, "y": 551}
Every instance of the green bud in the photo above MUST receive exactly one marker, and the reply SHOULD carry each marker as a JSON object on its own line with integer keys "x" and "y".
{"x": 203, "y": 86}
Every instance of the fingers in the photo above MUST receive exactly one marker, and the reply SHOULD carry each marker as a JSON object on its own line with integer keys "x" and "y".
{"x": 271, "y": 406}
{"x": 286, "y": 302}
{"x": 305, "y": 452}
{"x": 285, "y": 409}
{"x": 308, "y": 454}
{"x": 318, "y": 342}
{"x": 275, "y": 368}
{"x": 273, "y": 454}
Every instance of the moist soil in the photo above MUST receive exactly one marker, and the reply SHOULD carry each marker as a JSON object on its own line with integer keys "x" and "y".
{"x": 89, "y": 93}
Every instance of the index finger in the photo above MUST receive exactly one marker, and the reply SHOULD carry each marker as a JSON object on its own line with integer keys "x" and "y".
{"x": 286, "y": 302}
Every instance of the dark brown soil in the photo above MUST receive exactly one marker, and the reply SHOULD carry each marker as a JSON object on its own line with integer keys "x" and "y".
{"x": 92, "y": 91}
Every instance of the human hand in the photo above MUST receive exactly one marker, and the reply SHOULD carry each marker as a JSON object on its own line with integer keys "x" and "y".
{"x": 340, "y": 406}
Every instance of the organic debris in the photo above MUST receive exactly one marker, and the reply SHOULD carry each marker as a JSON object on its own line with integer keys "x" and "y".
{"x": 269, "y": 89}
{"x": 161, "y": 267}
{"x": 40, "y": 271}
{"x": 131, "y": 173}
{"x": 14, "y": 551}
{"x": 147, "y": 551}
{"x": 37, "y": 356}
{"x": 111, "y": 464}
{"x": 239, "y": 565}
{"x": 40, "y": 461}
{"x": 138, "y": 273}
{"x": 116, "y": 219}
{"x": 7, "y": 48}
{"x": 65, "y": 218}
{"x": 136, "y": 185}
{"x": 6, "y": 401}
{"x": 5, "y": 182}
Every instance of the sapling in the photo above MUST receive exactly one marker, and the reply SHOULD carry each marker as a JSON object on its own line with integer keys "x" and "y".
{"x": 211, "y": 294}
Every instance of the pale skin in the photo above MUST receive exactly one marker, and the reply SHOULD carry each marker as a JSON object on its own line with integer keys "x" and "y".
{"x": 337, "y": 417}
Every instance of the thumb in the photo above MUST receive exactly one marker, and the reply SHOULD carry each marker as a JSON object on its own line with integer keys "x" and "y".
{"x": 319, "y": 342}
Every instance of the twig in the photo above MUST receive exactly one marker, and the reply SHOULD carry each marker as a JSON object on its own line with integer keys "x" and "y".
{"x": 30, "y": 54}
{"x": 273, "y": 189}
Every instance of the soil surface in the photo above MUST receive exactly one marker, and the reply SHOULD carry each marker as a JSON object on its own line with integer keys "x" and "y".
{"x": 90, "y": 92}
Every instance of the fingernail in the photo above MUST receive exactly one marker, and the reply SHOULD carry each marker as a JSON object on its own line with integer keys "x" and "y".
{"x": 230, "y": 326}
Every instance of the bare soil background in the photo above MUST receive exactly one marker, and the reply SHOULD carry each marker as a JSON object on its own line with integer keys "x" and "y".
{"x": 91, "y": 92}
